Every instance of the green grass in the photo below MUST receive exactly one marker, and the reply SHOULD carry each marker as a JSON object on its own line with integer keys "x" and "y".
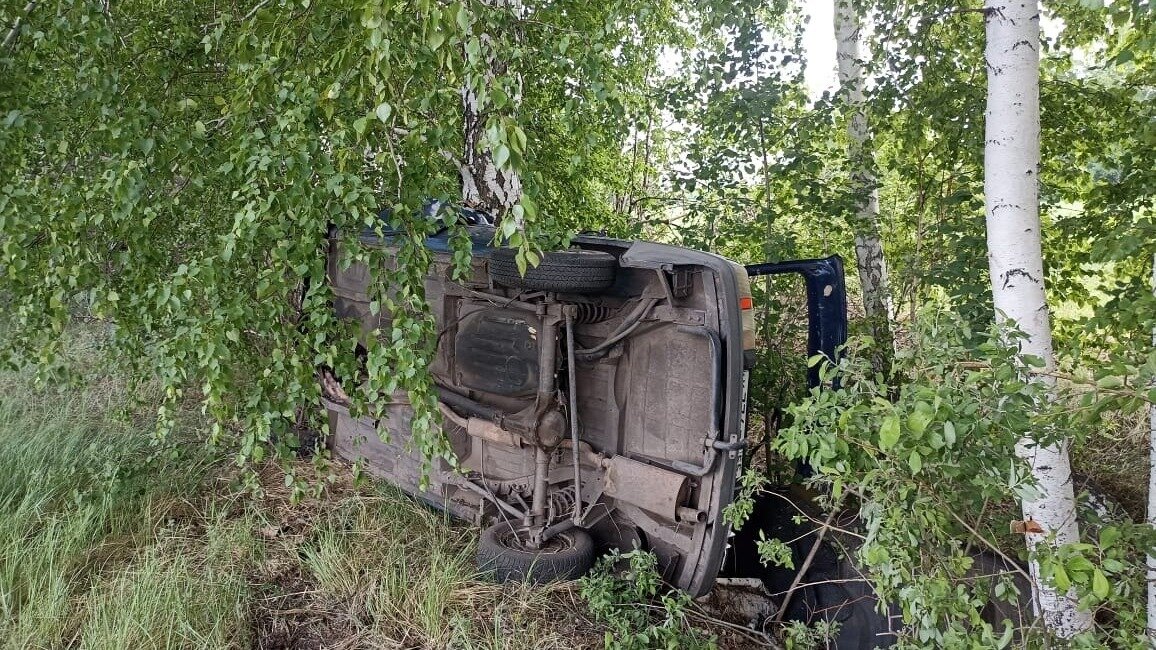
{"x": 112, "y": 539}
{"x": 95, "y": 543}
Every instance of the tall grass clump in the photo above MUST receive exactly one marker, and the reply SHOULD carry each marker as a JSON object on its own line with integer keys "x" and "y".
{"x": 90, "y": 507}
{"x": 400, "y": 572}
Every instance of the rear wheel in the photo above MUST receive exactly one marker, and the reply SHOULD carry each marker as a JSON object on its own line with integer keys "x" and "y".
{"x": 568, "y": 271}
{"x": 505, "y": 553}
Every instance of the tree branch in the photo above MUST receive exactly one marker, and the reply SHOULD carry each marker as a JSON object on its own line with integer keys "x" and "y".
{"x": 10, "y": 37}
{"x": 806, "y": 564}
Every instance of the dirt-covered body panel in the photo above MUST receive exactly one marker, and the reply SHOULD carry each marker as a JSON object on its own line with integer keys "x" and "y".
{"x": 653, "y": 364}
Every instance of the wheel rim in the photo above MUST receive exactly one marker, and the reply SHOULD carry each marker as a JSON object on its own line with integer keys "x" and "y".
{"x": 516, "y": 540}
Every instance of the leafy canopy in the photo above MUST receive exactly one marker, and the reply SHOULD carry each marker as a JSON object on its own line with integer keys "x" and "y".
{"x": 173, "y": 169}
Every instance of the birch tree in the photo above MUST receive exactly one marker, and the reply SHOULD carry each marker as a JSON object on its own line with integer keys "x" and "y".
{"x": 1015, "y": 260}
{"x": 869, "y": 256}
{"x": 489, "y": 182}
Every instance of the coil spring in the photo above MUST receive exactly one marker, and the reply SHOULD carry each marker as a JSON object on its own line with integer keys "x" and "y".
{"x": 589, "y": 312}
{"x": 561, "y": 504}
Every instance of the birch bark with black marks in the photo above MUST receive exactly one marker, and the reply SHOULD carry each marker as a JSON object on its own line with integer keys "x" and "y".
{"x": 869, "y": 257}
{"x": 488, "y": 184}
{"x": 1015, "y": 260}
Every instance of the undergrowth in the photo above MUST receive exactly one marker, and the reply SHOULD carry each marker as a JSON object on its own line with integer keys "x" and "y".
{"x": 928, "y": 466}
{"x": 638, "y": 610}
{"x": 95, "y": 520}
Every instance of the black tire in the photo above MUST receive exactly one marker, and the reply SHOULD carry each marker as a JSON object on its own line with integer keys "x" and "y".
{"x": 988, "y": 570}
{"x": 568, "y": 271}
{"x": 566, "y": 556}
{"x": 844, "y": 596}
{"x": 1095, "y": 508}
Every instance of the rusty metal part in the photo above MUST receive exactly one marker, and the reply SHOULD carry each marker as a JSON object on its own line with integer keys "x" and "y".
{"x": 547, "y": 355}
{"x": 547, "y": 358}
{"x": 590, "y": 312}
{"x": 541, "y": 486}
{"x": 560, "y": 504}
{"x": 629, "y": 323}
{"x": 560, "y": 527}
{"x": 572, "y": 390}
{"x": 653, "y": 489}
{"x": 486, "y": 494}
{"x": 479, "y": 428}
{"x": 587, "y": 453}
{"x": 551, "y": 428}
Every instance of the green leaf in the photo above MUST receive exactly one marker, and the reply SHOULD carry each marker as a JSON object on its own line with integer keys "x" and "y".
{"x": 508, "y": 228}
{"x": 915, "y": 462}
{"x": 1061, "y": 579}
{"x": 501, "y": 155}
{"x": 463, "y": 18}
{"x": 1109, "y": 535}
{"x": 383, "y": 111}
{"x": 435, "y": 40}
{"x": 918, "y": 420}
{"x": 949, "y": 433}
{"x": 1079, "y": 564}
{"x": 1109, "y": 382}
{"x": 530, "y": 206}
{"x": 1100, "y": 585}
{"x": 889, "y": 432}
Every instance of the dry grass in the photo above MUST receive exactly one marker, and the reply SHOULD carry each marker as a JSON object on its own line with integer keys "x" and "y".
{"x": 367, "y": 567}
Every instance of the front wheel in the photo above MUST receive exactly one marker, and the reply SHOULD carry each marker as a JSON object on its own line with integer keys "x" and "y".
{"x": 505, "y": 553}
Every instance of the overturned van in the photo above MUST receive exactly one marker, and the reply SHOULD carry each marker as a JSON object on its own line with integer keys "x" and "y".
{"x": 596, "y": 402}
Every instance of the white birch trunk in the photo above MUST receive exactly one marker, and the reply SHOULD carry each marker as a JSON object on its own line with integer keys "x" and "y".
{"x": 869, "y": 257}
{"x": 486, "y": 185}
{"x": 1152, "y": 491}
{"x": 1015, "y": 259}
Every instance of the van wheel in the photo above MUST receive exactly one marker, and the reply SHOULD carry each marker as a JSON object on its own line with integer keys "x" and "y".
{"x": 504, "y": 553}
{"x": 568, "y": 271}
{"x": 845, "y": 596}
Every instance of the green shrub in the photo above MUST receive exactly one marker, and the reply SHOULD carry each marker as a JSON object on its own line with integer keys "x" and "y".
{"x": 625, "y": 603}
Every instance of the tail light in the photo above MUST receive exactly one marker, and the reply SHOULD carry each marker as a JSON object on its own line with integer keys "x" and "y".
{"x": 747, "y": 312}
